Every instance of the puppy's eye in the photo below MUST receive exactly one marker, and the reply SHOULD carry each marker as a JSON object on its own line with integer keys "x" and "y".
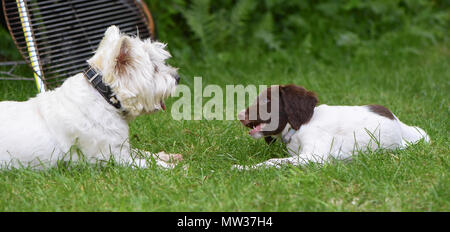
{"x": 156, "y": 69}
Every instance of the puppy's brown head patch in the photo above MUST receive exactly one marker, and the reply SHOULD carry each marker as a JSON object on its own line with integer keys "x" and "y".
{"x": 296, "y": 107}
{"x": 298, "y": 104}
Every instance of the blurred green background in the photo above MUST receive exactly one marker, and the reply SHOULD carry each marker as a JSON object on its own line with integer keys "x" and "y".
{"x": 321, "y": 28}
{"x": 316, "y": 27}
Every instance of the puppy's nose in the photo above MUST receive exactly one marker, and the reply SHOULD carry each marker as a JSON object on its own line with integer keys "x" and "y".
{"x": 177, "y": 78}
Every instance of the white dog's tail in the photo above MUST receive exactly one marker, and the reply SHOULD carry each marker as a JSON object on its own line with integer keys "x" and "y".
{"x": 412, "y": 134}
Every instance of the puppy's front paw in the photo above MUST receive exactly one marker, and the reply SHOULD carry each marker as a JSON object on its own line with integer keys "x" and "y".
{"x": 240, "y": 167}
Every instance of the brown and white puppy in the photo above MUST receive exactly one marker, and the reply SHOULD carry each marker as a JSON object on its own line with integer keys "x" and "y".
{"x": 316, "y": 133}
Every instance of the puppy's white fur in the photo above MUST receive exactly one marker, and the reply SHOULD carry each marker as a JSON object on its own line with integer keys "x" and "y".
{"x": 46, "y": 128}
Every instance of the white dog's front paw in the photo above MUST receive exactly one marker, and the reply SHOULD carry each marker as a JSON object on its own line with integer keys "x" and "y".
{"x": 165, "y": 165}
{"x": 143, "y": 163}
{"x": 171, "y": 158}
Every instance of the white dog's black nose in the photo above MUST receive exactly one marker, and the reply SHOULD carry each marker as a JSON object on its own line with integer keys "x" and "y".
{"x": 177, "y": 78}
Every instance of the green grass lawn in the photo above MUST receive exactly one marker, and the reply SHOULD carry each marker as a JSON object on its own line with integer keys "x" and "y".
{"x": 414, "y": 86}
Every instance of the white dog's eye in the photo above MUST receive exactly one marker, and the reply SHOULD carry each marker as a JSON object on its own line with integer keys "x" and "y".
{"x": 156, "y": 69}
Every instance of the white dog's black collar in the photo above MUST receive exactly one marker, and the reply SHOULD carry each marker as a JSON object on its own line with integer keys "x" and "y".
{"x": 95, "y": 78}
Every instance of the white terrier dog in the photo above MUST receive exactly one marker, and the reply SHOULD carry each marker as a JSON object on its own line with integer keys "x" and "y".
{"x": 90, "y": 111}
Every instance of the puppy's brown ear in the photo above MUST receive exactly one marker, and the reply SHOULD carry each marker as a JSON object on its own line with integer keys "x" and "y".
{"x": 298, "y": 104}
{"x": 123, "y": 58}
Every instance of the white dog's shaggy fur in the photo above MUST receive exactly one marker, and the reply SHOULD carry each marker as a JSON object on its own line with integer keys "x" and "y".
{"x": 317, "y": 133}
{"x": 75, "y": 118}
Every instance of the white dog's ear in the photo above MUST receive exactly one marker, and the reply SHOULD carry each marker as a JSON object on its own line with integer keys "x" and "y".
{"x": 111, "y": 34}
{"x": 112, "y": 31}
{"x": 123, "y": 58}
